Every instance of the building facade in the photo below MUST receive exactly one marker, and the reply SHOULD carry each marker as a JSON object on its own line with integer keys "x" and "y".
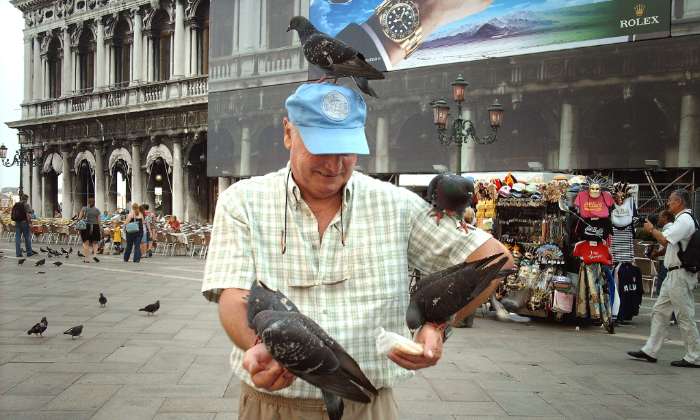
{"x": 117, "y": 90}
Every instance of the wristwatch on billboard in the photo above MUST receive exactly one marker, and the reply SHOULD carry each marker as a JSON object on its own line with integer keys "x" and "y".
{"x": 400, "y": 22}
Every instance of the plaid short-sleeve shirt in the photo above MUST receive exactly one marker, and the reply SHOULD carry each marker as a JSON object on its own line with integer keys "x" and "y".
{"x": 349, "y": 289}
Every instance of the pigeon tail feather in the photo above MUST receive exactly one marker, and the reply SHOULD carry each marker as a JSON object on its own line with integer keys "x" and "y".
{"x": 364, "y": 86}
{"x": 334, "y": 405}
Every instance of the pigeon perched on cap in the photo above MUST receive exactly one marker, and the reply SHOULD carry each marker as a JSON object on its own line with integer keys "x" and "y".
{"x": 39, "y": 327}
{"x": 442, "y": 294}
{"x": 74, "y": 331}
{"x": 333, "y": 56}
{"x": 306, "y": 350}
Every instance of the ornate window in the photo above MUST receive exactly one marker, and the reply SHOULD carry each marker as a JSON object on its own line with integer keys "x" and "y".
{"x": 86, "y": 61}
{"x": 278, "y": 15}
{"x": 162, "y": 45}
{"x": 200, "y": 40}
{"x": 123, "y": 41}
{"x": 54, "y": 58}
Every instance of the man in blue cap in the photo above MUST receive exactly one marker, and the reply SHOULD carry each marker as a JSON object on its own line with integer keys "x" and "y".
{"x": 338, "y": 244}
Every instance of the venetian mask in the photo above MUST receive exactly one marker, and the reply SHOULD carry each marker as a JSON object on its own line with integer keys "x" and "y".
{"x": 594, "y": 191}
{"x": 619, "y": 198}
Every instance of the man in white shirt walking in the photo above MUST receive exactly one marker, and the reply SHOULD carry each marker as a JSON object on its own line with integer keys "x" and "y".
{"x": 677, "y": 290}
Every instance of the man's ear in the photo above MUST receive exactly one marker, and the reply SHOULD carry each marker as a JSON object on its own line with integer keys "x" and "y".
{"x": 288, "y": 128}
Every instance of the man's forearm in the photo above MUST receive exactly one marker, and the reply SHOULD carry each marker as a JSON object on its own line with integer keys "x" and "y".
{"x": 233, "y": 314}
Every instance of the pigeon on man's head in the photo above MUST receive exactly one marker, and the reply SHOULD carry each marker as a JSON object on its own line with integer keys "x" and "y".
{"x": 40, "y": 262}
{"x": 102, "y": 300}
{"x": 21, "y": 261}
{"x": 450, "y": 194}
{"x": 151, "y": 308}
{"x": 442, "y": 294}
{"x": 335, "y": 58}
{"x": 262, "y": 298}
{"x": 307, "y": 351}
{"x": 74, "y": 331}
{"x": 39, "y": 327}
{"x": 58, "y": 263}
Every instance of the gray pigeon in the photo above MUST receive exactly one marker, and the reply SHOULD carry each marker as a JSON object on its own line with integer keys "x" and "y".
{"x": 57, "y": 263}
{"x": 102, "y": 300}
{"x": 151, "y": 308}
{"x": 74, "y": 331}
{"x": 21, "y": 261}
{"x": 335, "y": 58}
{"x": 262, "y": 297}
{"x": 450, "y": 194}
{"x": 39, "y": 327}
{"x": 442, "y": 294}
{"x": 306, "y": 350}
{"x": 40, "y": 262}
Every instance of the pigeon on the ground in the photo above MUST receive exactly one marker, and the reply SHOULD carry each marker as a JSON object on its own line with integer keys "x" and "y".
{"x": 39, "y": 327}
{"x": 307, "y": 351}
{"x": 102, "y": 300}
{"x": 80, "y": 254}
{"x": 63, "y": 250}
{"x": 442, "y": 294}
{"x": 151, "y": 308}
{"x": 43, "y": 249}
{"x": 40, "y": 262}
{"x": 74, "y": 331}
{"x": 262, "y": 297}
{"x": 67, "y": 256}
{"x": 450, "y": 194}
{"x": 70, "y": 250}
{"x": 58, "y": 263}
{"x": 95, "y": 259}
{"x": 335, "y": 58}
{"x": 41, "y": 272}
{"x": 21, "y": 261}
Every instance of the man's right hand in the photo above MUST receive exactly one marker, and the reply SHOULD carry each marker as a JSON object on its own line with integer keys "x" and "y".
{"x": 265, "y": 372}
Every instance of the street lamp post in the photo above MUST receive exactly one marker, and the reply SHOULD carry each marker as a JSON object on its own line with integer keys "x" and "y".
{"x": 22, "y": 157}
{"x": 462, "y": 130}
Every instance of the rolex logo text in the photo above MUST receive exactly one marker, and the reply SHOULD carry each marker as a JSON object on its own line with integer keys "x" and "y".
{"x": 639, "y": 19}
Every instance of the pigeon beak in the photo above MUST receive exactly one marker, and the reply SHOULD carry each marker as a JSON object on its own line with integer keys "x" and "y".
{"x": 289, "y": 28}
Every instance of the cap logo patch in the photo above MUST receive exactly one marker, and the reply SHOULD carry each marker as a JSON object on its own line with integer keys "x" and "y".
{"x": 335, "y": 106}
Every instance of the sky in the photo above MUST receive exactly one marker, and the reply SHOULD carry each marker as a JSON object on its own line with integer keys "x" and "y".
{"x": 11, "y": 84}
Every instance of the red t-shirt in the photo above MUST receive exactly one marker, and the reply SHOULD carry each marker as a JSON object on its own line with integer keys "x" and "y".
{"x": 593, "y": 252}
{"x": 589, "y": 207}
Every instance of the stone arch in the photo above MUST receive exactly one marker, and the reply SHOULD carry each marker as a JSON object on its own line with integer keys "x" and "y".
{"x": 87, "y": 156}
{"x": 53, "y": 162}
{"x": 159, "y": 151}
{"x": 118, "y": 154}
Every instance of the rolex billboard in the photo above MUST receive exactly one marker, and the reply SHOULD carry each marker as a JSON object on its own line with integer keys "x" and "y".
{"x": 400, "y": 34}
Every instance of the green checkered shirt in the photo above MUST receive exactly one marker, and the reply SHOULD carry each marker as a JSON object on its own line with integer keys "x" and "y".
{"x": 350, "y": 290}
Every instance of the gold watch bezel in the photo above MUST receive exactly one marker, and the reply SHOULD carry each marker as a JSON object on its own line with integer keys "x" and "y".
{"x": 382, "y": 12}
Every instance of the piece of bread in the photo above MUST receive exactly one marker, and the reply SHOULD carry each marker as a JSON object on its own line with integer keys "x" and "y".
{"x": 409, "y": 347}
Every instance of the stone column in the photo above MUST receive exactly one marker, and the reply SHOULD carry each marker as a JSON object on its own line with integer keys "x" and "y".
{"x": 112, "y": 69}
{"x": 36, "y": 188}
{"x": 137, "y": 51}
{"x": 27, "y": 69}
{"x": 263, "y": 25}
{"x": 26, "y": 174}
{"x": 38, "y": 72}
{"x": 76, "y": 74}
{"x": 245, "y": 151}
{"x": 100, "y": 60}
{"x": 136, "y": 182}
{"x": 688, "y": 135}
{"x": 381, "y": 152}
{"x": 468, "y": 151}
{"x": 179, "y": 41}
{"x": 150, "y": 73}
{"x": 224, "y": 183}
{"x": 67, "y": 201}
{"x": 189, "y": 52}
{"x": 99, "y": 179}
{"x": 46, "y": 77}
{"x": 567, "y": 136}
{"x": 178, "y": 190}
{"x": 67, "y": 79}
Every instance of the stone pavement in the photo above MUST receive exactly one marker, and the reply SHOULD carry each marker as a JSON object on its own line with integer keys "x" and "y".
{"x": 174, "y": 365}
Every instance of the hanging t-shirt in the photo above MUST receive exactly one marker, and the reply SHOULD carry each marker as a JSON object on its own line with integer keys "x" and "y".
{"x": 629, "y": 280}
{"x": 594, "y": 229}
{"x": 593, "y": 252}
{"x": 594, "y": 207}
{"x": 623, "y": 214}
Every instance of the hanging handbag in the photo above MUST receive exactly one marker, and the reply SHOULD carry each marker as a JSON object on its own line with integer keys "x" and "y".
{"x": 81, "y": 225}
{"x": 132, "y": 227}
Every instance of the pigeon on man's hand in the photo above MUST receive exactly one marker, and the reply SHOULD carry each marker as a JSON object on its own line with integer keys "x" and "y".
{"x": 39, "y": 327}
{"x": 151, "y": 308}
{"x": 306, "y": 350}
{"x": 333, "y": 56}
{"x": 74, "y": 331}
{"x": 102, "y": 300}
{"x": 444, "y": 293}
{"x": 40, "y": 262}
{"x": 262, "y": 297}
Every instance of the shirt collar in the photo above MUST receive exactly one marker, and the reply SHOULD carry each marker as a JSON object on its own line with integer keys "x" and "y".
{"x": 294, "y": 191}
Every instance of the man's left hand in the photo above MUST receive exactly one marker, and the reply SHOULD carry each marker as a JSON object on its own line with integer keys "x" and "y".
{"x": 430, "y": 336}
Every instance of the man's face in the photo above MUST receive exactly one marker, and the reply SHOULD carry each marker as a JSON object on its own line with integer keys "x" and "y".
{"x": 674, "y": 203}
{"x": 318, "y": 176}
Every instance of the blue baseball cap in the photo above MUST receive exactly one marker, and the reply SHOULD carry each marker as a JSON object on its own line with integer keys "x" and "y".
{"x": 330, "y": 118}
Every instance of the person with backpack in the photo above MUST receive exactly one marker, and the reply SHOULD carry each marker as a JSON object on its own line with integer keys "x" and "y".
{"x": 22, "y": 216}
{"x": 682, "y": 242}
